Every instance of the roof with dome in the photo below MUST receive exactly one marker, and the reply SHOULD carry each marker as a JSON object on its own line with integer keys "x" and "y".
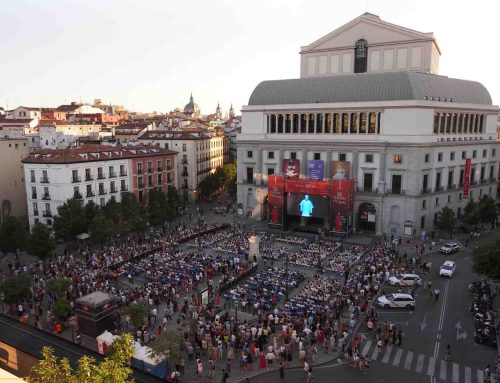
{"x": 191, "y": 106}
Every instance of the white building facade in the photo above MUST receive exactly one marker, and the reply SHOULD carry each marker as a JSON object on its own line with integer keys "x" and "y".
{"x": 405, "y": 132}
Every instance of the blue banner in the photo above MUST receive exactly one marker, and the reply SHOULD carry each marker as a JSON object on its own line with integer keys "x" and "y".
{"x": 314, "y": 170}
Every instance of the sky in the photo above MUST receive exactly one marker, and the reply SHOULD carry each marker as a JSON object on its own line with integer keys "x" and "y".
{"x": 149, "y": 55}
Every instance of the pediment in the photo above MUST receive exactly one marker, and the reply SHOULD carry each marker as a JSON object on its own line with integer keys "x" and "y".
{"x": 368, "y": 27}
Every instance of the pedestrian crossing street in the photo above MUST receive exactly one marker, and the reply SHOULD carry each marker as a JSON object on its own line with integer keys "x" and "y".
{"x": 422, "y": 364}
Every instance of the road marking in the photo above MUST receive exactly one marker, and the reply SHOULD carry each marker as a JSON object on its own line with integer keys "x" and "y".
{"x": 375, "y": 354}
{"x": 454, "y": 373}
{"x": 480, "y": 376}
{"x": 409, "y": 359}
{"x": 443, "y": 307}
{"x": 420, "y": 363}
{"x": 387, "y": 353}
{"x": 442, "y": 370}
{"x": 397, "y": 358}
{"x": 430, "y": 367}
{"x": 368, "y": 344}
{"x": 468, "y": 374}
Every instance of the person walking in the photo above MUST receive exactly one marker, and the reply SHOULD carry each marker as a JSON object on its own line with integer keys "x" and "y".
{"x": 310, "y": 377}
{"x": 436, "y": 294}
{"x": 400, "y": 337}
{"x": 447, "y": 354}
{"x": 282, "y": 371}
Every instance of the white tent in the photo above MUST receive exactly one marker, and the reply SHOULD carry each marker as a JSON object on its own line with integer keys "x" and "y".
{"x": 105, "y": 340}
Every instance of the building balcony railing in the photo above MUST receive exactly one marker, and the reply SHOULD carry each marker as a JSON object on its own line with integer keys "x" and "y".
{"x": 89, "y": 178}
{"x": 100, "y": 176}
{"x": 77, "y": 196}
{"x": 396, "y": 191}
{"x": 46, "y": 197}
{"x": 169, "y": 167}
{"x": 47, "y": 213}
{"x": 473, "y": 182}
{"x": 32, "y": 180}
{"x": 113, "y": 190}
{"x": 123, "y": 188}
{"x": 90, "y": 194}
{"x": 184, "y": 162}
{"x": 139, "y": 171}
{"x": 249, "y": 182}
{"x": 44, "y": 180}
{"x": 112, "y": 175}
{"x": 184, "y": 174}
{"x": 123, "y": 174}
{"x": 35, "y": 213}
{"x": 483, "y": 181}
{"x": 451, "y": 186}
{"x": 150, "y": 170}
{"x": 102, "y": 191}
{"x": 75, "y": 179}
{"x": 159, "y": 169}
{"x": 367, "y": 189}
{"x": 34, "y": 196}
{"x": 439, "y": 188}
{"x": 425, "y": 191}
{"x": 140, "y": 186}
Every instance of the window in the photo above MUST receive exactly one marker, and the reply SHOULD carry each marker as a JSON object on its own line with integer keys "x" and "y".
{"x": 368, "y": 181}
{"x": 35, "y": 208}
{"x": 450, "y": 179}
{"x": 425, "y": 183}
{"x": 398, "y": 158}
{"x": 160, "y": 180}
{"x": 166, "y": 145}
{"x": 141, "y": 196}
{"x": 250, "y": 175}
{"x": 270, "y": 155}
{"x": 461, "y": 180}
{"x": 270, "y": 171}
{"x": 452, "y": 156}
{"x": 396, "y": 183}
{"x": 464, "y": 154}
{"x": 492, "y": 172}
{"x": 459, "y": 213}
{"x": 460, "y": 196}
{"x": 184, "y": 147}
{"x": 33, "y": 192}
{"x": 482, "y": 174}
{"x": 150, "y": 180}
{"x": 159, "y": 166}
{"x": 437, "y": 201}
{"x": 422, "y": 222}
{"x": 293, "y": 155}
{"x": 249, "y": 154}
{"x": 360, "y": 56}
{"x": 474, "y": 153}
{"x": 169, "y": 165}
{"x": 424, "y": 204}
{"x": 440, "y": 157}
{"x": 369, "y": 158}
{"x": 493, "y": 152}
{"x": 32, "y": 176}
{"x": 317, "y": 156}
{"x": 438, "y": 181}
{"x": 485, "y": 153}
{"x": 342, "y": 156}
{"x": 427, "y": 157}
{"x": 102, "y": 201}
{"x": 89, "y": 191}
{"x": 139, "y": 168}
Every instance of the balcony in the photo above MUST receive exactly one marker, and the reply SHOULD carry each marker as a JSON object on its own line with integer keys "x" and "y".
{"x": 123, "y": 174}
{"x": 483, "y": 181}
{"x": 32, "y": 180}
{"x": 102, "y": 191}
{"x": 88, "y": 177}
{"x": 141, "y": 186}
{"x": 46, "y": 197}
{"x": 100, "y": 176}
{"x": 184, "y": 174}
{"x": 90, "y": 194}
{"x": 112, "y": 175}
{"x": 396, "y": 191}
{"x": 47, "y": 213}
{"x": 473, "y": 182}
{"x": 123, "y": 188}
{"x": 367, "y": 189}
{"x": 184, "y": 162}
{"x": 75, "y": 179}
{"x": 139, "y": 171}
{"x": 35, "y": 213}
{"x": 452, "y": 186}
{"x": 150, "y": 170}
{"x": 438, "y": 188}
{"x": 113, "y": 190}
{"x": 44, "y": 180}
{"x": 425, "y": 191}
{"x": 249, "y": 182}
{"x": 169, "y": 167}
{"x": 160, "y": 169}
{"x": 77, "y": 196}
{"x": 34, "y": 196}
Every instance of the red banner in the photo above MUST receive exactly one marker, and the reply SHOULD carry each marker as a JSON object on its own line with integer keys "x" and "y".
{"x": 307, "y": 187}
{"x": 275, "y": 200}
{"x": 342, "y": 205}
{"x": 467, "y": 178}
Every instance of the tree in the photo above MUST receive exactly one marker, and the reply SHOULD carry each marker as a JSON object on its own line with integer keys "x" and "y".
{"x": 129, "y": 206}
{"x": 91, "y": 210}
{"x": 487, "y": 209}
{"x": 12, "y": 235}
{"x": 173, "y": 197}
{"x": 16, "y": 289}
{"x": 58, "y": 286}
{"x": 112, "y": 369}
{"x": 40, "y": 244}
{"x": 446, "y": 220}
{"x": 486, "y": 260}
{"x": 471, "y": 213}
{"x": 157, "y": 207}
{"x": 137, "y": 222}
{"x": 112, "y": 210}
{"x": 101, "y": 229}
{"x": 70, "y": 219}
{"x": 137, "y": 313}
{"x": 61, "y": 309}
{"x": 168, "y": 345}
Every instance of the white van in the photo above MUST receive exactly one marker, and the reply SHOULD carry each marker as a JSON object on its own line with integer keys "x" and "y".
{"x": 396, "y": 300}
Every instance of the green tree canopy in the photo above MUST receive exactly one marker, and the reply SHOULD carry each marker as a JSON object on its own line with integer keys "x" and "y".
{"x": 61, "y": 308}
{"x": 472, "y": 215}
{"x": 101, "y": 229}
{"x": 446, "y": 220}
{"x": 486, "y": 260}
{"x": 16, "y": 289}
{"x": 58, "y": 286}
{"x": 112, "y": 369}
{"x": 91, "y": 210}
{"x": 112, "y": 210}
{"x": 129, "y": 205}
{"x": 12, "y": 235}
{"x": 487, "y": 209}
{"x": 70, "y": 219}
{"x": 40, "y": 244}
{"x": 137, "y": 313}
{"x": 168, "y": 345}
{"x": 157, "y": 207}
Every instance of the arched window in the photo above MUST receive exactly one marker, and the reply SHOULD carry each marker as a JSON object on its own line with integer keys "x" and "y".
{"x": 361, "y": 56}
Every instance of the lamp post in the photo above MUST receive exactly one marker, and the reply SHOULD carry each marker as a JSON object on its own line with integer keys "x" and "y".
{"x": 2, "y": 299}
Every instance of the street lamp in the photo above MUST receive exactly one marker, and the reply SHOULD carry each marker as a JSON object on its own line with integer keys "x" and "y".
{"x": 2, "y": 299}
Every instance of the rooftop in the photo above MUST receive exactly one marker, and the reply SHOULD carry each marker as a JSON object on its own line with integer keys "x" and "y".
{"x": 365, "y": 87}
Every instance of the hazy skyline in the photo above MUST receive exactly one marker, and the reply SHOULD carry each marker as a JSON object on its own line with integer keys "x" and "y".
{"x": 151, "y": 54}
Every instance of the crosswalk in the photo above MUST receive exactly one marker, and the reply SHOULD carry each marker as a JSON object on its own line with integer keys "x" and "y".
{"x": 422, "y": 364}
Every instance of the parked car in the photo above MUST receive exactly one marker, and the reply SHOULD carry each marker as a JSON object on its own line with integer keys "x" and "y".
{"x": 447, "y": 269}
{"x": 450, "y": 247}
{"x": 396, "y": 300}
{"x": 405, "y": 280}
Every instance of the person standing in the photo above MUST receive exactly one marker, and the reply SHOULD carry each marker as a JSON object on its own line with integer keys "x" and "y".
{"x": 310, "y": 377}
{"x": 400, "y": 337}
{"x": 282, "y": 371}
{"x": 447, "y": 354}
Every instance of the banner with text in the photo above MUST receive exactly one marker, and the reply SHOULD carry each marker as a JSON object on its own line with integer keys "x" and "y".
{"x": 291, "y": 169}
{"x": 342, "y": 205}
{"x": 307, "y": 187}
{"x": 466, "y": 191}
{"x": 315, "y": 170}
{"x": 275, "y": 200}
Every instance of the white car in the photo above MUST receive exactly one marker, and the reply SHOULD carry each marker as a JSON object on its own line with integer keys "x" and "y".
{"x": 396, "y": 300}
{"x": 405, "y": 280}
{"x": 450, "y": 247}
{"x": 447, "y": 269}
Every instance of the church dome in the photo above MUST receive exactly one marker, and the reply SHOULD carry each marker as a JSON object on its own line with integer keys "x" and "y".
{"x": 191, "y": 107}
